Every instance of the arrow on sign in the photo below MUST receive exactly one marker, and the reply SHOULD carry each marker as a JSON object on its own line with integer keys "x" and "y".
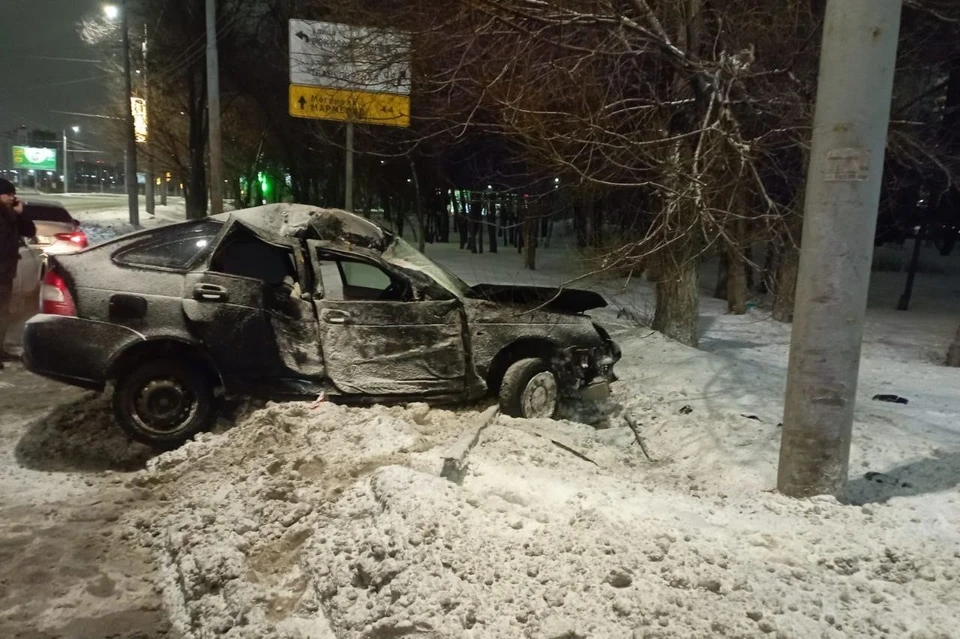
{"x": 303, "y": 36}
{"x": 302, "y": 102}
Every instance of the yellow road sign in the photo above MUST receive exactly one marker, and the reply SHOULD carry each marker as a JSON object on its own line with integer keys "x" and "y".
{"x": 362, "y": 107}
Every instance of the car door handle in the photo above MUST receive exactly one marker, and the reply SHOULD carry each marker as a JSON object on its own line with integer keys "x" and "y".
{"x": 209, "y": 293}
{"x": 336, "y": 317}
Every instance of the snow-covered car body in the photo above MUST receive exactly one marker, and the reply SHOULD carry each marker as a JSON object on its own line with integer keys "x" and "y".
{"x": 293, "y": 300}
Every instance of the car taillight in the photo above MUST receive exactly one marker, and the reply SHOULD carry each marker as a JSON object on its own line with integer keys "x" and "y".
{"x": 55, "y": 298}
{"x": 77, "y": 237}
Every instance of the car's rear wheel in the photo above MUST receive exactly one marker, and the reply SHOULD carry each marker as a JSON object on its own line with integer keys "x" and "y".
{"x": 530, "y": 389}
{"x": 164, "y": 402}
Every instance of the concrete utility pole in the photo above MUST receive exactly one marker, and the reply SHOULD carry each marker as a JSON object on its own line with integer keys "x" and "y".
{"x": 855, "y": 87}
{"x": 130, "y": 158}
{"x": 213, "y": 112}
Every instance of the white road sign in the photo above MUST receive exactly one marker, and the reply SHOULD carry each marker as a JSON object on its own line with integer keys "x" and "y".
{"x": 341, "y": 56}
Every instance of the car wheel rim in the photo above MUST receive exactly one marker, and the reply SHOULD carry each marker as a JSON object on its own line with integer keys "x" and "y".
{"x": 164, "y": 405}
{"x": 540, "y": 396}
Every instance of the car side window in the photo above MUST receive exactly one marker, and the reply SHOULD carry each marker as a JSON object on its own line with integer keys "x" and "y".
{"x": 346, "y": 280}
{"x": 175, "y": 248}
{"x": 248, "y": 256}
{"x": 367, "y": 276}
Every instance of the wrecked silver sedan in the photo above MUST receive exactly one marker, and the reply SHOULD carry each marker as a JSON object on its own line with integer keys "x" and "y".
{"x": 293, "y": 301}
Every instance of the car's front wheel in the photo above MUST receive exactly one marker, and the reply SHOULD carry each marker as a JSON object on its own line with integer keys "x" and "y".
{"x": 530, "y": 389}
{"x": 164, "y": 402}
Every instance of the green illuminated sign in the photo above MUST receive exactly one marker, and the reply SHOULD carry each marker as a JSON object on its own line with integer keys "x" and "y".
{"x": 32, "y": 157}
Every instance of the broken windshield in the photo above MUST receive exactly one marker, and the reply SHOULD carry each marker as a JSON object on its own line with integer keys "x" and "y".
{"x": 401, "y": 254}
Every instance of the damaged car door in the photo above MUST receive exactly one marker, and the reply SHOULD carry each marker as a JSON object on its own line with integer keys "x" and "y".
{"x": 247, "y": 309}
{"x": 382, "y": 337}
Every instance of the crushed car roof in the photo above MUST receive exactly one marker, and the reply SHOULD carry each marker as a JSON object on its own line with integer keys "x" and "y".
{"x": 302, "y": 221}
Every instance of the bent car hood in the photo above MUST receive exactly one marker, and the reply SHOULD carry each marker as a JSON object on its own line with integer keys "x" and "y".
{"x": 552, "y": 299}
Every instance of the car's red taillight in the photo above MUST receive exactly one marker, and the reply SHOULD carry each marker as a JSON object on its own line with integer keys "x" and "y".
{"x": 55, "y": 298}
{"x": 77, "y": 237}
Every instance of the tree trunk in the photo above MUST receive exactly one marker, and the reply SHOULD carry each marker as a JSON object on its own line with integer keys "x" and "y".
{"x": 595, "y": 214}
{"x": 492, "y": 222}
{"x": 474, "y": 225}
{"x": 953, "y": 355}
{"x": 678, "y": 300}
{"x": 722, "y": 274}
{"x": 418, "y": 208}
{"x": 196, "y": 183}
{"x": 748, "y": 263}
{"x": 530, "y": 236}
{"x": 786, "y": 289}
{"x": 460, "y": 216}
{"x": 737, "y": 286}
{"x": 444, "y": 220}
{"x": 765, "y": 285}
{"x": 580, "y": 221}
{"x": 400, "y": 217}
{"x": 904, "y": 303}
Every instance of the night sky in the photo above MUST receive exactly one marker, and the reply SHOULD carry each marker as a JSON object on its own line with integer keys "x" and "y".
{"x": 32, "y": 86}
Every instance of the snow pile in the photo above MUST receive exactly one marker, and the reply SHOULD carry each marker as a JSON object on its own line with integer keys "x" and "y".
{"x": 309, "y": 524}
{"x": 237, "y": 508}
{"x": 80, "y": 435}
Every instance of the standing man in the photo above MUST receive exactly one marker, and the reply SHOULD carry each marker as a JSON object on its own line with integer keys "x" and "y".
{"x": 13, "y": 226}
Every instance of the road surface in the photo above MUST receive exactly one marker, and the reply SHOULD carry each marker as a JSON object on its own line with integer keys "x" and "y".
{"x": 90, "y": 202}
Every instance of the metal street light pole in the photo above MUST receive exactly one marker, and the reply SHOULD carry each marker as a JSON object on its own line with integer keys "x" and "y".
{"x": 213, "y": 111}
{"x": 66, "y": 164}
{"x": 66, "y": 169}
{"x": 130, "y": 160}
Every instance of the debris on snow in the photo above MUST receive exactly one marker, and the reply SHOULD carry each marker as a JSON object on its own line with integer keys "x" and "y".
{"x": 891, "y": 399}
{"x": 632, "y": 423}
{"x": 455, "y": 457}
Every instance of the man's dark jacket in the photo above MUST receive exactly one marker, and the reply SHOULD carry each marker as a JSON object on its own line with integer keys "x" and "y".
{"x": 12, "y": 228}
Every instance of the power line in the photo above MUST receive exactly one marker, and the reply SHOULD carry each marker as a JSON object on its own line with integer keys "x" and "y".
{"x": 55, "y": 58}
{"x": 198, "y": 49}
{"x": 64, "y": 83}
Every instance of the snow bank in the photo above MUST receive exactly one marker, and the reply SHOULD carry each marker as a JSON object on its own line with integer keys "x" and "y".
{"x": 306, "y": 523}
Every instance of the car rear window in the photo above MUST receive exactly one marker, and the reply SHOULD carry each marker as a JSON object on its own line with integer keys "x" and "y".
{"x": 47, "y": 213}
{"x": 174, "y": 247}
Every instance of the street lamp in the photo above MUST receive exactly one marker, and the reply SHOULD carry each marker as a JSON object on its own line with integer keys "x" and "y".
{"x": 112, "y": 11}
{"x": 66, "y": 167}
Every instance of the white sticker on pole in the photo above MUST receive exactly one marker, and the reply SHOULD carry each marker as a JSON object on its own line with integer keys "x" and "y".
{"x": 848, "y": 165}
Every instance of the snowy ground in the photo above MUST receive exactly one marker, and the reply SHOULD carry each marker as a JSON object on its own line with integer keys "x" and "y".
{"x": 335, "y": 522}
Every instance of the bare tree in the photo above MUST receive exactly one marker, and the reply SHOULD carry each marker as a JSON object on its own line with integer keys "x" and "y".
{"x": 953, "y": 354}
{"x": 666, "y": 100}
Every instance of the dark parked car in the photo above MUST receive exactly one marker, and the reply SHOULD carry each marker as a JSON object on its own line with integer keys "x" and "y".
{"x": 290, "y": 301}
